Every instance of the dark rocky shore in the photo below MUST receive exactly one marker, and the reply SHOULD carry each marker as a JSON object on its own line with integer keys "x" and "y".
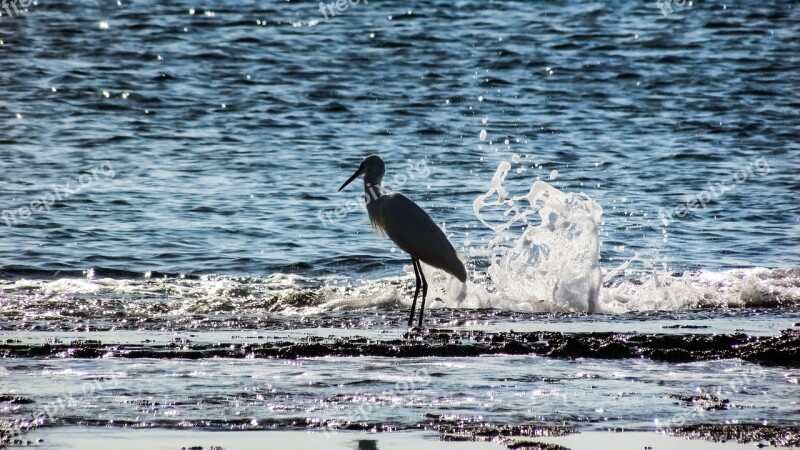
{"x": 782, "y": 349}
{"x": 762, "y": 435}
{"x": 524, "y": 436}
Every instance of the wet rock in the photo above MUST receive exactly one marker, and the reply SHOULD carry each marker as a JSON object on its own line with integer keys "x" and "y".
{"x": 454, "y": 428}
{"x": 706, "y": 402}
{"x": 743, "y": 433}
{"x": 11, "y": 430}
{"x": 533, "y": 445}
{"x": 516, "y": 348}
{"x": 505, "y": 434}
{"x": 570, "y": 347}
{"x": 304, "y": 351}
{"x": 614, "y": 350}
{"x": 14, "y": 399}
{"x": 86, "y": 343}
{"x": 198, "y": 447}
{"x": 782, "y": 349}
{"x": 675, "y": 355}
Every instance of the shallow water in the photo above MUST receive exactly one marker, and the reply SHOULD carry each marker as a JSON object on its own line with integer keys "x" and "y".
{"x": 204, "y": 144}
{"x": 400, "y": 394}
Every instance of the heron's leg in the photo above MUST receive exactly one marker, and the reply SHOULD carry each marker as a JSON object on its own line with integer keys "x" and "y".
{"x": 424, "y": 294}
{"x": 416, "y": 293}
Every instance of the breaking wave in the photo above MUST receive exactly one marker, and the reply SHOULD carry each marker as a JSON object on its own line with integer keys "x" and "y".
{"x": 544, "y": 257}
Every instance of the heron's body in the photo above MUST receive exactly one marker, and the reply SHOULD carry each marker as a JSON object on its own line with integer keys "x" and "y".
{"x": 414, "y": 232}
{"x": 409, "y": 227}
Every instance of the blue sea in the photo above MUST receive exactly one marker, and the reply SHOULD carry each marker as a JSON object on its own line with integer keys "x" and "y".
{"x": 169, "y": 175}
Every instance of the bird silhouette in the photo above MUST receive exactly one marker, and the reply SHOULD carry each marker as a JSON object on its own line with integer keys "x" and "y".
{"x": 409, "y": 227}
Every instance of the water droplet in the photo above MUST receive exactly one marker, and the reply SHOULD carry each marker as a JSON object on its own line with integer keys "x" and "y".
{"x": 553, "y": 174}
{"x": 482, "y": 135}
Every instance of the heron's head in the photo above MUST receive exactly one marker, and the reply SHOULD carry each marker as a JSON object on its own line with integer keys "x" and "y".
{"x": 372, "y": 168}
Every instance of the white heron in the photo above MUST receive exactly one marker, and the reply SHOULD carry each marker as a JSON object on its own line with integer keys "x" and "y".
{"x": 409, "y": 227}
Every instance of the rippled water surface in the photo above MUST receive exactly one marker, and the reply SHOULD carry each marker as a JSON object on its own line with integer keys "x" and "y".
{"x": 168, "y": 175}
{"x": 230, "y": 129}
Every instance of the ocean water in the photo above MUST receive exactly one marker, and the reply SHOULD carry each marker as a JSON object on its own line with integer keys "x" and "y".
{"x": 169, "y": 174}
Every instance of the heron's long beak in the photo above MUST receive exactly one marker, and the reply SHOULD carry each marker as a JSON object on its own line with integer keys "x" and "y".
{"x": 355, "y": 175}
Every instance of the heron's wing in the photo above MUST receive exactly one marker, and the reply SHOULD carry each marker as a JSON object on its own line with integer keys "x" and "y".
{"x": 412, "y": 229}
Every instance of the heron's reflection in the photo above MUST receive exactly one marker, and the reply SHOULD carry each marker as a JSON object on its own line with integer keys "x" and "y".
{"x": 367, "y": 444}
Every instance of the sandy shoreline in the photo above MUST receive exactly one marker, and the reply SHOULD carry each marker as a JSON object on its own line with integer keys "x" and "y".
{"x": 76, "y": 437}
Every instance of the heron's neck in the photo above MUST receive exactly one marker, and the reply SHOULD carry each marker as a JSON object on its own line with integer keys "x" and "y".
{"x": 373, "y": 189}
{"x": 372, "y": 196}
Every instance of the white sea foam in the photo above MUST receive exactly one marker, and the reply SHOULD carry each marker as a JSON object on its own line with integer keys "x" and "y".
{"x": 553, "y": 261}
{"x": 631, "y": 290}
{"x": 552, "y": 264}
